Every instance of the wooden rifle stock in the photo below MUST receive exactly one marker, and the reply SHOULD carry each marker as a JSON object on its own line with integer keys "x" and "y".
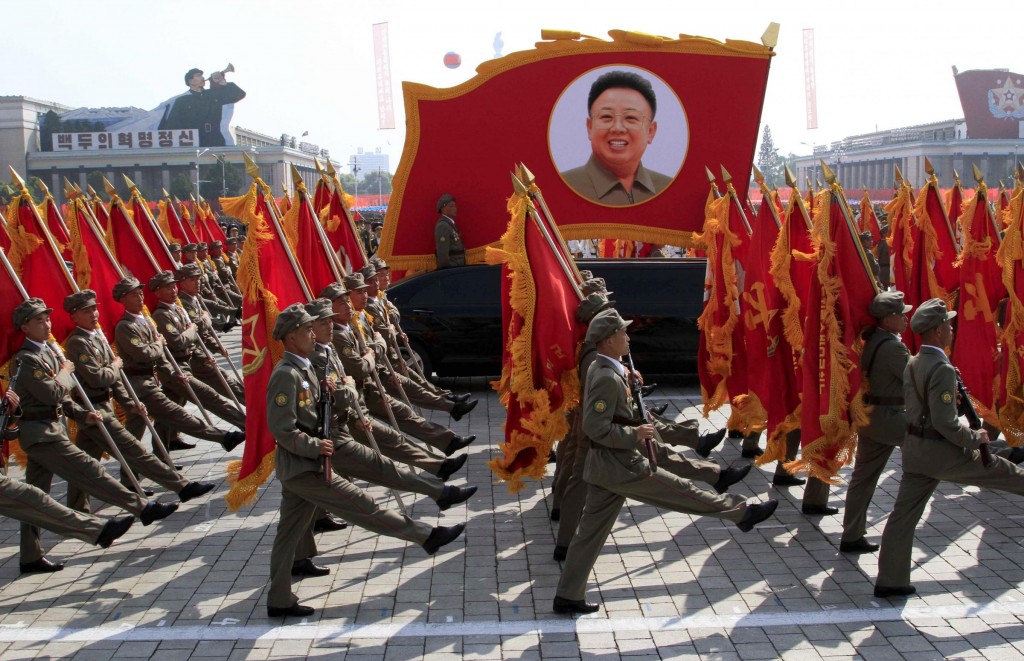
{"x": 634, "y": 386}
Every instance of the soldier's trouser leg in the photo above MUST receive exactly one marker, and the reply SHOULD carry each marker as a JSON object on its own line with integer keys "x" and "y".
{"x": 871, "y": 459}
{"x": 599, "y": 515}
{"x": 664, "y": 489}
{"x": 679, "y": 465}
{"x": 394, "y": 445}
{"x": 425, "y": 397}
{"x": 565, "y": 456}
{"x": 78, "y": 469}
{"x": 574, "y": 498}
{"x": 208, "y": 374}
{"x": 898, "y": 536}
{"x": 171, "y": 416}
{"x": 409, "y": 422}
{"x": 211, "y": 399}
{"x": 427, "y": 383}
{"x": 294, "y": 524}
{"x": 815, "y": 493}
{"x": 34, "y": 507}
{"x": 355, "y": 461}
{"x": 792, "y": 447}
{"x": 685, "y": 432}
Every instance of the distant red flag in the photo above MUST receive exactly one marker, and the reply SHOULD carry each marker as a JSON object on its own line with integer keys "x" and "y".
{"x": 37, "y": 261}
{"x": 100, "y": 211}
{"x": 321, "y": 194}
{"x": 842, "y": 288}
{"x": 975, "y": 348}
{"x": 10, "y": 298}
{"x": 954, "y": 203}
{"x": 269, "y": 284}
{"x": 150, "y": 232}
{"x": 169, "y": 223}
{"x": 209, "y": 220}
{"x": 94, "y": 265}
{"x": 129, "y": 249}
{"x": 300, "y": 228}
{"x": 541, "y": 362}
{"x": 341, "y": 231}
{"x": 903, "y": 233}
{"x": 868, "y": 221}
{"x": 1011, "y": 259}
{"x": 55, "y": 223}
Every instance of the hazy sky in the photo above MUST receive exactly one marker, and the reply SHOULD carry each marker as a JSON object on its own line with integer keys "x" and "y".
{"x": 308, "y": 65}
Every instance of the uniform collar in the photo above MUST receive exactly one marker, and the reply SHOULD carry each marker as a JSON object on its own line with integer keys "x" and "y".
{"x": 298, "y": 360}
{"x": 936, "y": 350}
{"x": 616, "y": 365}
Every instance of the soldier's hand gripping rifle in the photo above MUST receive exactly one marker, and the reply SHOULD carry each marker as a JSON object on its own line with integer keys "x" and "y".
{"x": 8, "y": 432}
{"x": 966, "y": 409}
{"x": 638, "y": 396}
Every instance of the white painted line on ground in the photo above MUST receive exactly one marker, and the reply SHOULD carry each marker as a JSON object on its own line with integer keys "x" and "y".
{"x": 304, "y": 631}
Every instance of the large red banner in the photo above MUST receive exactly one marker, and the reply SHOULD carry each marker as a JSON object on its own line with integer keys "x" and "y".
{"x": 532, "y": 107}
{"x": 993, "y": 103}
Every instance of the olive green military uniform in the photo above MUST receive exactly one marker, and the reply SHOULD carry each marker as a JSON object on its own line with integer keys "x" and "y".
{"x": 138, "y": 345}
{"x": 292, "y": 418}
{"x": 45, "y": 401}
{"x": 25, "y": 503}
{"x": 884, "y": 264}
{"x": 182, "y": 337}
{"x": 616, "y": 469}
{"x": 201, "y": 368}
{"x": 420, "y": 390}
{"x": 939, "y": 450}
{"x": 883, "y": 361}
{"x": 223, "y": 291}
{"x": 222, "y": 266}
{"x": 358, "y": 366}
{"x": 102, "y": 384}
{"x": 448, "y": 248}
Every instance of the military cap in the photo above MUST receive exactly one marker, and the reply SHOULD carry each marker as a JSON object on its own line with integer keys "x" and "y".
{"x": 232, "y": 241}
{"x": 201, "y": 246}
{"x": 28, "y": 309}
{"x": 604, "y": 325}
{"x": 443, "y": 200}
{"x": 215, "y": 245}
{"x": 929, "y": 315}
{"x": 594, "y": 285}
{"x": 368, "y": 272}
{"x": 190, "y": 247}
{"x": 375, "y": 225}
{"x": 334, "y": 291}
{"x": 586, "y": 275}
{"x": 320, "y": 308}
{"x": 290, "y": 318}
{"x": 866, "y": 236}
{"x": 161, "y": 279}
{"x": 354, "y": 281}
{"x": 888, "y": 303}
{"x": 126, "y": 285}
{"x": 79, "y": 300}
{"x": 174, "y": 247}
{"x": 192, "y": 270}
{"x": 380, "y": 264}
{"x": 591, "y": 305}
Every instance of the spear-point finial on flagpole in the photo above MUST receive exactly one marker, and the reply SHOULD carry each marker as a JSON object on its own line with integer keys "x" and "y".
{"x": 109, "y": 187}
{"x": 928, "y": 167}
{"x": 330, "y": 168}
{"x": 826, "y": 171}
{"x": 69, "y": 190}
{"x": 956, "y": 176}
{"x": 726, "y": 177}
{"x": 518, "y": 186}
{"x": 818, "y": 182}
{"x": 770, "y": 37}
{"x": 527, "y": 177}
{"x": 296, "y": 179}
{"x": 978, "y": 176}
{"x": 790, "y": 178}
{"x": 758, "y": 176}
{"x": 130, "y": 184}
{"x": 710, "y": 174}
{"x": 166, "y": 194}
{"x": 898, "y": 175}
{"x": 319, "y": 168}
{"x": 17, "y": 180}
{"x": 251, "y": 168}
{"x": 46, "y": 191}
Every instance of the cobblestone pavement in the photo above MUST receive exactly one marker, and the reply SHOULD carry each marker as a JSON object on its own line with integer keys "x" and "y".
{"x": 673, "y": 587}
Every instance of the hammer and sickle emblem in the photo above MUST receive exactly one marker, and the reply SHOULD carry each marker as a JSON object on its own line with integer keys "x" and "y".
{"x": 979, "y": 300}
{"x": 757, "y": 303}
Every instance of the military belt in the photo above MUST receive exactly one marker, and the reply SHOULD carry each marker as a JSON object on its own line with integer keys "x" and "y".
{"x": 140, "y": 371}
{"x": 627, "y": 422}
{"x": 922, "y": 432}
{"x": 101, "y": 398}
{"x": 48, "y": 415}
{"x": 884, "y": 401}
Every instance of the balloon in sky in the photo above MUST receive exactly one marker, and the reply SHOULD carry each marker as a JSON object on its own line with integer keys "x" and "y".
{"x": 452, "y": 60}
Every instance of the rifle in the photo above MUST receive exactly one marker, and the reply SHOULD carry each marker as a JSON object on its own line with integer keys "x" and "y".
{"x": 967, "y": 410}
{"x": 5, "y": 415}
{"x": 634, "y": 386}
{"x": 324, "y": 408}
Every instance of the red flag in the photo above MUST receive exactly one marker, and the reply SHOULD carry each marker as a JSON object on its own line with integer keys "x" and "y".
{"x": 269, "y": 284}
{"x": 1011, "y": 259}
{"x": 37, "y": 261}
{"x": 95, "y": 267}
{"x": 301, "y": 230}
{"x": 169, "y": 223}
{"x": 129, "y": 249}
{"x": 842, "y": 288}
{"x": 954, "y": 203}
{"x": 213, "y": 229}
{"x": 868, "y": 221}
{"x": 541, "y": 360}
{"x": 975, "y": 348}
{"x": 100, "y": 211}
{"x": 10, "y": 298}
{"x": 55, "y": 223}
{"x": 902, "y": 236}
{"x": 150, "y": 233}
{"x": 341, "y": 231}
{"x": 321, "y": 194}
{"x": 550, "y": 84}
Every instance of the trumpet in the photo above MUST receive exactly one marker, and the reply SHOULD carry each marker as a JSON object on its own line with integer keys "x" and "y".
{"x": 228, "y": 69}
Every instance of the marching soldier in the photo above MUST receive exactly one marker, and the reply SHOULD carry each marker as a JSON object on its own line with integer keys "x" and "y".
{"x": 231, "y": 255}
{"x": 97, "y": 370}
{"x": 299, "y": 463}
{"x": 882, "y": 364}
{"x": 141, "y": 347}
{"x": 884, "y": 257}
{"x": 393, "y": 444}
{"x": 225, "y": 272}
{"x": 618, "y": 467}
{"x": 214, "y": 304}
{"x": 175, "y": 249}
{"x": 367, "y": 307}
{"x": 210, "y": 270}
{"x": 44, "y": 389}
{"x": 181, "y": 337}
{"x": 937, "y": 447}
{"x": 188, "y": 296}
{"x": 358, "y": 358}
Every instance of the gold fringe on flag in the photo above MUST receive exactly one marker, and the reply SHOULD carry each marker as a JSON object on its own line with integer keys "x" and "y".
{"x": 1011, "y": 258}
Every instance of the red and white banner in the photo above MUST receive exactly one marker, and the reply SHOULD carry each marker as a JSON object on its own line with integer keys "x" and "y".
{"x": 382, "y": 64}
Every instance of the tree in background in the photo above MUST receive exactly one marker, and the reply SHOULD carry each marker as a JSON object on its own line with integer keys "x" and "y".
{"x": 369, "y": 185}
{"x": 768, "y": 160}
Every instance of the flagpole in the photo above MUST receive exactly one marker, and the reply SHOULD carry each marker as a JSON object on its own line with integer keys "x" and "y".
{"x": 339, "y": 191}
{"x": 835, "y": 189}
{"x": 86, "y": 402}
{"x": 533, "y": 190}
{"x": 300, "y": 188}
{"x": 520, "y": 189}
{"x": 149, "y": 217}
